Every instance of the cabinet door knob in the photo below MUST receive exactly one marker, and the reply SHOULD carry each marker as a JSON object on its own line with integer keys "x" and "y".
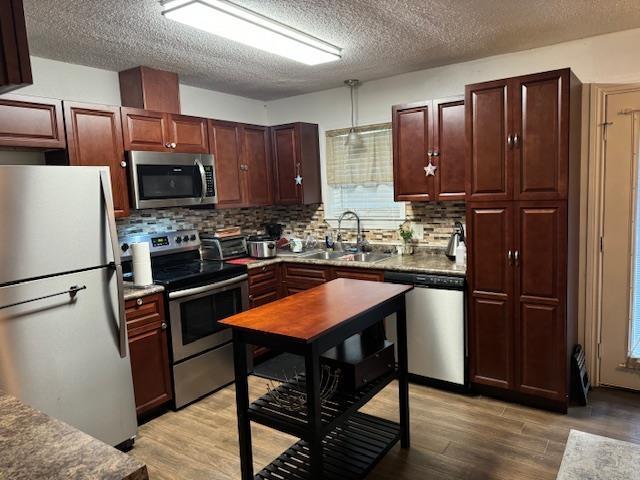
{"x": 516, "y": 140}
{"x": 436, "y": 153}
{"x": 164, "y": 325}
{"x": 174, "y": 145}
{"x": 123, "y": 164}
{"x": 168, "y": 145}
{"x": 429, "y": 154}
{"x": 139, "y": 302}
{"x": 516, "y": 257}
{"x": 510, "y": 140}
{"x": 509, "y": 255}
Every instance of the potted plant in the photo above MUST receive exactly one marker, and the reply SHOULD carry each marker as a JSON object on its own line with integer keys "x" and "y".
{"x": 406, "y": 233}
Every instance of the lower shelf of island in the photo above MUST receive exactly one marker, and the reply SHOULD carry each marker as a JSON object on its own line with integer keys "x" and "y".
{"x": 335, "y": 410}
{"x": 350, "y": 451}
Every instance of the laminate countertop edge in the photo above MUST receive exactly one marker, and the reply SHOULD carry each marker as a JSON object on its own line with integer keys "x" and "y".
{"x": 131, "y": 292}
{"x": 35, "y": 445}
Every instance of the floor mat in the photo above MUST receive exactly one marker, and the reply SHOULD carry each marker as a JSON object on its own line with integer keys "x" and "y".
{"x": 285, "y": 365}
{"x": 592, "y": 457}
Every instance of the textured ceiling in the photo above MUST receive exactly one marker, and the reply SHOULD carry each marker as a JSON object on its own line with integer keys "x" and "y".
{"x": 379, "y": 38}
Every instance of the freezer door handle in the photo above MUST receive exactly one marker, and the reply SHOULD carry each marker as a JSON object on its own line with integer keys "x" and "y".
{"x": 105, "y": 186}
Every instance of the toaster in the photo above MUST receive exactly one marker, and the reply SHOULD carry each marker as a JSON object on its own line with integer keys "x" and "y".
{"x": 214, "y": 248}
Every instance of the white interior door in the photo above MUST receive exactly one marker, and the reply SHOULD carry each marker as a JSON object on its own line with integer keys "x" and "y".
{"x": 620, "y": 241}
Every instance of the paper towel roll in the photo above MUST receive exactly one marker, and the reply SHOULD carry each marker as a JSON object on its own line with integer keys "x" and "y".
{"x": 141, "y": 260}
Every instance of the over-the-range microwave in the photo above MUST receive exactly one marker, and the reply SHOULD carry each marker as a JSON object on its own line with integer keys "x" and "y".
{"x": 172, "y": 179}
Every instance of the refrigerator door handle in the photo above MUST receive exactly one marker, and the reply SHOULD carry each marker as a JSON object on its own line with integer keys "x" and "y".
{"x": 105, "y": 186}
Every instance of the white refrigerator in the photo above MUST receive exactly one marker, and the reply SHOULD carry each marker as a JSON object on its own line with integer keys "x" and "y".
{"x": 63, "y": 343}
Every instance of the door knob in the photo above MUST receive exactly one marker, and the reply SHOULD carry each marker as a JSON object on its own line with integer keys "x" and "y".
{"x": 164, "y": 325}
{"x": 123, "y": 164}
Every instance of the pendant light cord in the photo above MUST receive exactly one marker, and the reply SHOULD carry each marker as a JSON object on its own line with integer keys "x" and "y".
{"x": 352, "y": 109}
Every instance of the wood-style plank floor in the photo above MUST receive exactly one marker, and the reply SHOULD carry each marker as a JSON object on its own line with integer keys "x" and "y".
{"x": 453, "y": 436}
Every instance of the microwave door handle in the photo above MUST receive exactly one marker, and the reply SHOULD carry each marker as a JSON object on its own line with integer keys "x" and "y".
{"x": 105, "y": 187}
{"x": 203, "y": 180}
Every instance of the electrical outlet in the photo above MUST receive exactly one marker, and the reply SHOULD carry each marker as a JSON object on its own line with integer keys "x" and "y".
{"x": 418, "y": 231}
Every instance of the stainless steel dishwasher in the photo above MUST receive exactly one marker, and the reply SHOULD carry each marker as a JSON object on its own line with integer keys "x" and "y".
{"x": 436, "y": 328}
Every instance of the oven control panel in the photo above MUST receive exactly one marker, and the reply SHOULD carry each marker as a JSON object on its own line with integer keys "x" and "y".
{"x": 161, "y": 242}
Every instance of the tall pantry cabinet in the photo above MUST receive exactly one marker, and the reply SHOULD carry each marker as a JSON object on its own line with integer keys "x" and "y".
{"x": 522, "y": 190}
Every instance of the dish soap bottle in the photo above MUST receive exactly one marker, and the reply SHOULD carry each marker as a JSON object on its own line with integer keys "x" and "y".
{"x": 461, "y": 254}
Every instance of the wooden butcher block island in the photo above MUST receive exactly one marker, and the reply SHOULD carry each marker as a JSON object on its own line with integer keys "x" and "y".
{"x": 336, "y": 441}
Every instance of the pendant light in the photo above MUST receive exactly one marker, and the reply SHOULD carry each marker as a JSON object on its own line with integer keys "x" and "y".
{"x": 353, "y": 138}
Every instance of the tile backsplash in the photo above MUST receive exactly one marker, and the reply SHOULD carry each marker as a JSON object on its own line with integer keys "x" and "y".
{"x": 299, "y": 220}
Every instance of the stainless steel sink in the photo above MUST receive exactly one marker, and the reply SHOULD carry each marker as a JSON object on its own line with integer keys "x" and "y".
{"x": 323, "y": 255}
{"x": 364, "y": 257}
{"x": 348, "y": 257}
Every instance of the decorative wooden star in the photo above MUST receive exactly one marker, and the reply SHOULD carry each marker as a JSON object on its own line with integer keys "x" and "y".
{"x": 298, "y": 180}
{"x": 430, "y": 169}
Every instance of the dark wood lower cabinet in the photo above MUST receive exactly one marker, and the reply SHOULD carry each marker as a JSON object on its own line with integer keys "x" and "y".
{"x": 490, "y": 277}
{"x": 540, "y": 298}
{"x": 518, "y": 321}
{"x": 149, "y": 352}
{"x": 272, "y": 282}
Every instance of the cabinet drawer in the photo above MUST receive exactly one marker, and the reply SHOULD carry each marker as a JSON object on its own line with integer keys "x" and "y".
{"x": 263, "y": 275}
{"x": 263, "y": 297}
{"x": 144, "y": 310}
{"x": 306, "y": 272}
{"x": 359, "y": 274}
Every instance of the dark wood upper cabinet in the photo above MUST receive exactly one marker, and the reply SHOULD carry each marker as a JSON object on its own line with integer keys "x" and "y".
{"x": 224, "y": 141}
{"x": 430, "y": 132}
{"x": 518, "y": 137}
{"x": 541, "y": 135}
{"x": 94, "y": 138}
{"x": 189, "y": 134}
{"x": 296, "y": 161}
{"x": 412, "y": 150}
{"x": 540, "y": 298}
{"x": 449, "y": 149}
{"x": 150, "y": 89}
{"x": 144, "y": 130}
{"x": 243, "y": 164}
{"x": 488, "y": 149}
{"x": 163, "y": 132}
{"x": 490, "y": 276}
{"x": 15, "y": 63}
{"x": 256, "y": 157}
{"x": 31, "y": 122}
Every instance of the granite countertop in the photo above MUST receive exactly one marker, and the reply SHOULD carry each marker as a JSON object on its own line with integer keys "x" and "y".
{"x": 418, "y": 263}
{"x": 34, "y": 445}
{"x": 131, "y": 292}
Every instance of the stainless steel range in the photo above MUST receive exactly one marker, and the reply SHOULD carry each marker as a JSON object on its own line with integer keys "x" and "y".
{"x": 198, "y": 293}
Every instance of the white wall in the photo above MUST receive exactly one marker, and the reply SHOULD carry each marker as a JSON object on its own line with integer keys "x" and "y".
{"x": 612, "y": 58}
{"x": 85, "y": 84}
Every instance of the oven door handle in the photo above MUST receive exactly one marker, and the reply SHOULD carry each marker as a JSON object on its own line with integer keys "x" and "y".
{"x": 206, "y": 288}
{"x": 203, "y": 180}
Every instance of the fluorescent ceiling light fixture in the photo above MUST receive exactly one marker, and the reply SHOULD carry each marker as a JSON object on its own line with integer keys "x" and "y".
{"x": 239, "y": 24}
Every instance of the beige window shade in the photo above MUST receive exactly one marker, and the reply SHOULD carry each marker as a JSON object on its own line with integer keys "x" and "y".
{"x": 367, "y": 164}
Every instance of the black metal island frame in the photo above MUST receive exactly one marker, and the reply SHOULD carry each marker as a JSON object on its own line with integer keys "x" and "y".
{"x": 336, "y": 441}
